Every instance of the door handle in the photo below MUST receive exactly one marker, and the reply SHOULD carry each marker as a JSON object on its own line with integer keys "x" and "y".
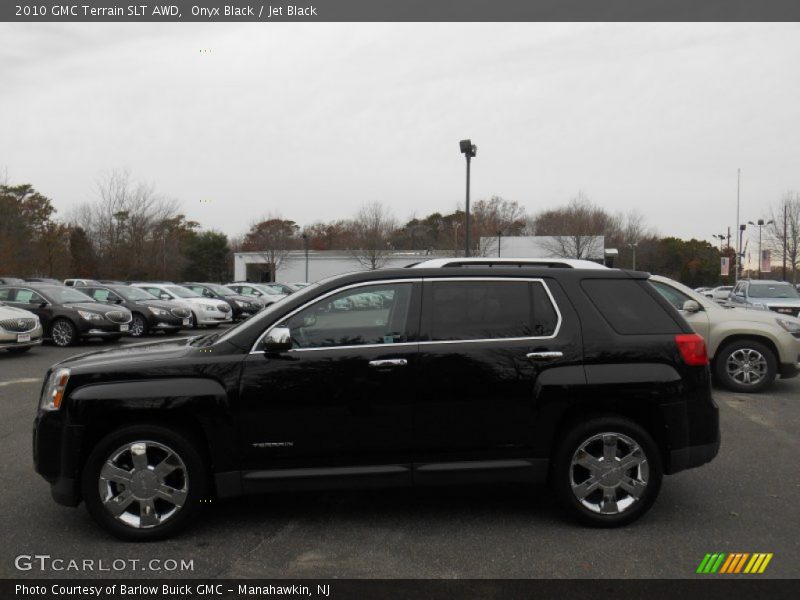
{"x": 544, "y": 356}
{"x": 388, "y": 362}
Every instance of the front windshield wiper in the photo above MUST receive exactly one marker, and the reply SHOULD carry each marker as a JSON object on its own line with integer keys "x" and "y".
{"x": 204, "y": 340}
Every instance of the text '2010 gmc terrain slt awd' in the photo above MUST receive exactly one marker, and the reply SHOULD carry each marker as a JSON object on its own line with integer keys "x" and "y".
{"x": 586, "y": 378}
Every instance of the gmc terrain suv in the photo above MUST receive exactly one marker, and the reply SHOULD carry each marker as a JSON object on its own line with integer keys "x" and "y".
{"x": 587, "y": 378}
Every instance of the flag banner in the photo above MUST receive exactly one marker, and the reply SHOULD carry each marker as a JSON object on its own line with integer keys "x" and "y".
{"x": 724, "y": 265}
{"x": 766, "y": 261}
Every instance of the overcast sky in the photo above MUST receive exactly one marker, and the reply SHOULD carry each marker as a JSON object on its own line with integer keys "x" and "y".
{"x": 310, "y": 121}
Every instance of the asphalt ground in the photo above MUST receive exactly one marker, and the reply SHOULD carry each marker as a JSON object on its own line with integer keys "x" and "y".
{"x": 746, "y": 500}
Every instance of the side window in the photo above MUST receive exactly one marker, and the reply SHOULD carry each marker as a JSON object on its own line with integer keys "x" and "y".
{"x": 374, "y": 314}
{"x": 28, "y": 296}
{"x": 155, "y": 291}
{"x": 628, "y": 308}
{"x": 673, "y": 296}
{"x": 100, "y": 295}
{"x": 476, "y": 310}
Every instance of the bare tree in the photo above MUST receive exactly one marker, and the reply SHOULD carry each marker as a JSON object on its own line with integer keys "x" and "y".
{"x": 576, "y": 229}
{"x": 373, "y": 228}
{"x": 271, "y": 239}
{"x": 492, "y": 217}
{"x": 786, "y": 216}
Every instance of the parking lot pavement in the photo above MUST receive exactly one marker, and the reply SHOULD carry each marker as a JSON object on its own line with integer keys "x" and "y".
{"x": 744, "y": 501}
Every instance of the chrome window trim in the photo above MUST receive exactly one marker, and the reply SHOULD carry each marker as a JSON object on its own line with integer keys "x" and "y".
{"x": 419, "y": 343}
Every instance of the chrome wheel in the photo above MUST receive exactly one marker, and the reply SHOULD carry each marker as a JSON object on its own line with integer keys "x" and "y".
{"x": 143, "y": 484}
{"x": 138, "y": 326}
{"x": 609, "y": 473}
{"x": 62, "y": 333}
{"x": 746, "y": 366}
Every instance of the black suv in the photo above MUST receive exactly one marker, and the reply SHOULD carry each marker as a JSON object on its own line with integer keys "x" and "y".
{"x": 243, "y": 307}
{"x": 67, "y": 315}
{"x": 588, "y": 378}
{"x": 149, "y": 314}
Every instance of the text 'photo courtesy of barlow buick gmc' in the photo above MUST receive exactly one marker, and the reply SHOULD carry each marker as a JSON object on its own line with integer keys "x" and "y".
{"x": 586, "y": 378}
{"x": 66, "y": 314}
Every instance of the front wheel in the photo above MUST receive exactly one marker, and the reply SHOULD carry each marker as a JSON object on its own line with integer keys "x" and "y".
{"x": 63, "y": 333}
{"x": 607, "y": 471}
{"x": 745, "y": 366}
{"x": 144, "y": 482}
{"x": 138, "y": 326}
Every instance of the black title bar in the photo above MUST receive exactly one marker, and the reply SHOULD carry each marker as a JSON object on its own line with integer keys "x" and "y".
{"x": 400, "y": 11}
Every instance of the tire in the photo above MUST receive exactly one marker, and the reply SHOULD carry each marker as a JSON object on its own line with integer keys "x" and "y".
{"x": 147, "y": 514}
{"x": 607, "y": 496}
{"x": 22, "y": 350}
{"x": 63, "y": 333}
{"x": 193, "y": 321}
{"x": 138, "y": 327}
{"x": 745, "y": 366}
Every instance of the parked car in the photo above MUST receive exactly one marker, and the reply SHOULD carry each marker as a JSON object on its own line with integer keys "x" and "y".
{"x": 588, "y": 377}
{"x": 281, "y": 288}
{"x": 10, "y": 280}
{"x": 701, "y": 290}
{"x": 67, "y": 315}
{"x": 747, "y": 348}
{"x": 265, "y": 293}
{"x": 298, "y": 285}
{"x": 719, "y": 294}
{"x": 20, "y": 330}
{"x": 777, "y": 296}
{"x": 46, "y": 280}
{"x": 149, "y": 314}
{"x": 242, "y": 307}
{"x": 204, "y": 311}
{"x": 80, "y": 282}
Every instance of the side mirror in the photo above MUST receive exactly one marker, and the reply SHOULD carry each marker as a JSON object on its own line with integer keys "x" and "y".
{"x": 691, "y": 306}
{"x": 279, "y": 339}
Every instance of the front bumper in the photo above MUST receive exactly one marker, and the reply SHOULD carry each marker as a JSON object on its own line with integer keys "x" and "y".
{"x": 8, "y": 339}
{"x": 207, "y": 318}
{"x": 102, "y": 329}
{"x": 56, "y": 452}
{"x": 5, "y": 344}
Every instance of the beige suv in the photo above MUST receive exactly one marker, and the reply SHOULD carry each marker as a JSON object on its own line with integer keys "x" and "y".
{"x": 748, "y": 347}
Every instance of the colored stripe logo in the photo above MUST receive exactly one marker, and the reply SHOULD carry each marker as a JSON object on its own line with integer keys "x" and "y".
{"x": 735, "y": 563}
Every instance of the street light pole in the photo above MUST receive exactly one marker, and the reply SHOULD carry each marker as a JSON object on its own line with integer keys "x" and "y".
{"x": 633, "y": 248}
{"x": 469, "y": 150}
{"x": 738, "y": 257}
{"x": 785, "y": 209}
{"x": 499, "y": 235}
{"x": 305, "y": 242}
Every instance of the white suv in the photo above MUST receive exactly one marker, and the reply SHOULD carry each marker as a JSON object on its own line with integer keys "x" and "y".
{"x": 205, "y": 311}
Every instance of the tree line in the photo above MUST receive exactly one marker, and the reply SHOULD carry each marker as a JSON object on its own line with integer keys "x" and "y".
{"x": 130, "y": 231}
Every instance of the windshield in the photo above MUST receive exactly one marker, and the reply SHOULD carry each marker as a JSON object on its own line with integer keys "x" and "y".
{"x": 772, "y": 290}
{"x": 221, "y": 289}
{"x": 182, "y": 292}
{"x": 65, "y": 295}
{"x": 134, "y": 293}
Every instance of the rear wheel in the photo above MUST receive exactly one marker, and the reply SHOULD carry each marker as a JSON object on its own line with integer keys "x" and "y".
{"x": 746, "y": 366}
{"x": 144, "y": 482}
{"x": 63, "y": 333}
{"x": 607, "y": 471}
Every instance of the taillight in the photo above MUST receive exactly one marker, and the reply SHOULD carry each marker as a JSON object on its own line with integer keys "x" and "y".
{"x": 692, "y": 348}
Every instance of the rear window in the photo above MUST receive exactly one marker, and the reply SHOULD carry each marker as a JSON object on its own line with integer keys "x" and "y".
{"x": 628, "y": 307}
{"x": 478, "y": 310}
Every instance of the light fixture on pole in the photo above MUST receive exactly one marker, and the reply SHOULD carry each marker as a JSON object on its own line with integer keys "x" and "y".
{"x": 721, "y": 239}
{"x": 469, "y": 150}
{"x": 760, "y": 224}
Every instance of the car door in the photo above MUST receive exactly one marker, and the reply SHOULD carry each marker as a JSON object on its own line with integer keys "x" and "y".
{"x": 697, "y": 319}
{"x": 484, "y": 345}
{"x": 342, "y": 395}
{"x": 28, "y": 299}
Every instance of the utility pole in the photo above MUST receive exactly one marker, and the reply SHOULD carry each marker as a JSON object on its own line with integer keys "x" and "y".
{"x": 785, "y": 216}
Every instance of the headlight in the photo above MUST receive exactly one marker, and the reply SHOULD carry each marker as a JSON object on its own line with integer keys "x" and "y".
{"x": 158, "y": 311}
{"x": 54, "y": 390}
{"x": 90, "y": 316}
{"x": 792, "y": 327}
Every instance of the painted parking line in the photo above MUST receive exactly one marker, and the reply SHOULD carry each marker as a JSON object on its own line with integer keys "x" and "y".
{"x": 27, "y": 380}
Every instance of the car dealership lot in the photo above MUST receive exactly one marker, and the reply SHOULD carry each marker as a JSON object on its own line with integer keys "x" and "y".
{"x": 744, "y": 501}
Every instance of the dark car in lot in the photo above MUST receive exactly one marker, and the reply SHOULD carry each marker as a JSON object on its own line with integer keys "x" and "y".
{"x": 586, "y": 378}
{"x": 148, "y": 313}
{"x": 66, "y": 314}
{"x": 242, "y": 307}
